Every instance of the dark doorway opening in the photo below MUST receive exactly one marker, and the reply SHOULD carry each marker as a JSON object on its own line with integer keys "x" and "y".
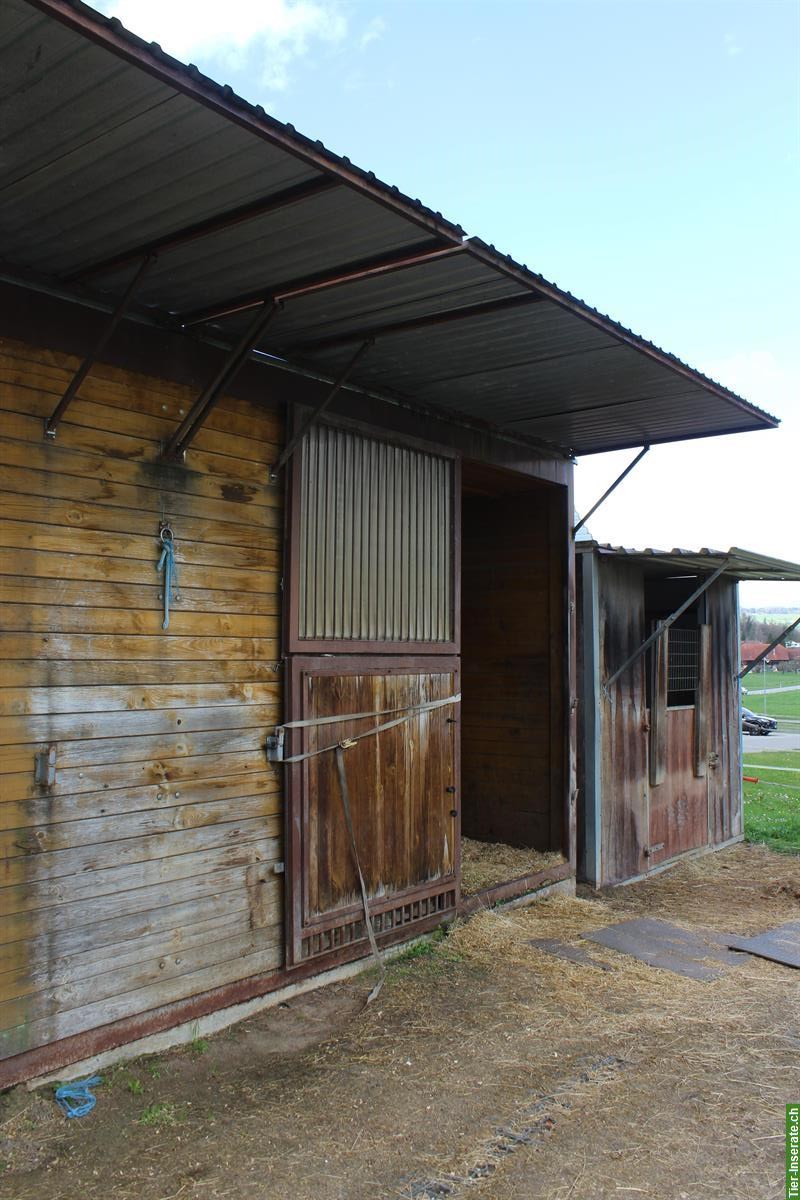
{"x": 514, "y": 673}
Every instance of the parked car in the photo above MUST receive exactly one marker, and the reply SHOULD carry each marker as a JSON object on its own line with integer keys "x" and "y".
{"x": 753, "y": 723}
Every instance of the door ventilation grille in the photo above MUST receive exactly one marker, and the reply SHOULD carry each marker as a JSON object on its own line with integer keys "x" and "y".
{"x": 389, "y": 921}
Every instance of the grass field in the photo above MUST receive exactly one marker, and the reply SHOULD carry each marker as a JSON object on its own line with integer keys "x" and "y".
{"x": 772, "y": 806}
{"x": 775, "y": 703}
{"x": 756, "y": 681}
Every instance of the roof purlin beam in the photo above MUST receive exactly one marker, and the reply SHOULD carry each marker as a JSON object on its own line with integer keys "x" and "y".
{"x": 293, "y": 290}
{"x": 212, "y": 225}
{"x": 428, "y": 320}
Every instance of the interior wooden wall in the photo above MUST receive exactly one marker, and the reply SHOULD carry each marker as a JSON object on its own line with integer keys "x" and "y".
{"x": 513, "y": 588}
{"x": 146, "y": 874}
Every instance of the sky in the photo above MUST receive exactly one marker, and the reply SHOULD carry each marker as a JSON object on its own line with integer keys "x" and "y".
{"x": 642, "y": 154}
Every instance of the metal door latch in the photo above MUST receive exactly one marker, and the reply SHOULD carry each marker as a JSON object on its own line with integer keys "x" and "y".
{"x": 44, "y": 767}
{"x": 274, "y": 746}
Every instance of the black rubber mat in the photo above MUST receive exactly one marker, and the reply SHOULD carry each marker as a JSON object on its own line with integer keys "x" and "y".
{"x": 698, "y": 953}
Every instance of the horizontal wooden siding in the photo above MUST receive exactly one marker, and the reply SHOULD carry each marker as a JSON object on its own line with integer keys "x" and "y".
{"x": 145, "y": 874}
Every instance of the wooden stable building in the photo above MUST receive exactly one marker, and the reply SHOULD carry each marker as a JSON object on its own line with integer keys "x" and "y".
{"x": 286, "y": 472}
{"x": 659, "y": 759}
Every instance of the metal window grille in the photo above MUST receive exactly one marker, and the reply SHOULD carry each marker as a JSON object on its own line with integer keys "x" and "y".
{"x": 683, "y": 661}
{"x": 376, "y": 547}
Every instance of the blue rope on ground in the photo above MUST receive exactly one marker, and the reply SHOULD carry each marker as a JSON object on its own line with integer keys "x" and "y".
{"x": 167, "y": 564}
{"x": 78, "y": 1091}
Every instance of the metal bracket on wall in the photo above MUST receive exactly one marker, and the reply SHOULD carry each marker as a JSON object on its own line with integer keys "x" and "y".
{"x": 183, "y": 436}
{"x": 297, "y": 438}
{"x": 51, "y": 422}
{"x": 608, "y": 491}
{"x": 664, "y": 625}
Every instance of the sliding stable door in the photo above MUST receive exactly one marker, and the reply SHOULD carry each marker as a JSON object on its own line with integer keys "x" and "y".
{"x": 372, "y": 642}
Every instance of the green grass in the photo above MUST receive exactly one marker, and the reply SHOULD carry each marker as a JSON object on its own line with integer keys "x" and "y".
{"x": 771, "y": 679}
{"x": 776, "y": 703}
{"x": 772, "y": 806}
{"x": 163, "y": 1113}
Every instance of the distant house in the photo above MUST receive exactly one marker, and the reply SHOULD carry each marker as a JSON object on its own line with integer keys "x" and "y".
{"x": 777, "y": 659}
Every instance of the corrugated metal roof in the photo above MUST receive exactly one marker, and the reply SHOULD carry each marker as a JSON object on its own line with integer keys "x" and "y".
{"x": 111, "y": 146}
{"x": 742, "y": 564}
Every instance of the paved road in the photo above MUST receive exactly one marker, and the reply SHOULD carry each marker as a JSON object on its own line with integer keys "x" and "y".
{"x": 774, "y": 741}
{"x": 776, "y": 691}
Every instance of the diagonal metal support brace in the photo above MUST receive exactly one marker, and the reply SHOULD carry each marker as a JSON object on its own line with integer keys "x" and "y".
{"x": 764, "y": 653}
{"x": 184, "y": 435}
{"x": 51, "y": 423}
{"x": 295, "y": 441}
{"x": 664, "y": 625}
{"x": 608, "y": 491}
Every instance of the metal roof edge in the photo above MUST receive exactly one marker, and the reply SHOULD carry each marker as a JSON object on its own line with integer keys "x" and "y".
{"x": 776, "y": 569}
{"x": 111, "y": 34}
{"x": 489, "y": 254}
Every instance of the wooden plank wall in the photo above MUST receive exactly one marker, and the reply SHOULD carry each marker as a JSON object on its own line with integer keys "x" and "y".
{"x": 512, "y": 643}
{"x": 725, "y": 770}
{"x": 146, "y": 874}
{"x": 624, "y": 785}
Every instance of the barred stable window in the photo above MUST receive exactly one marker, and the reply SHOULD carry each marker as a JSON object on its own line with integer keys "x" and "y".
{"x": 683, "y": 659}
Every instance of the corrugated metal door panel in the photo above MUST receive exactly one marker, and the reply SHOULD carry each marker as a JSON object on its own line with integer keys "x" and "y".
{"x": 376, "y": 545}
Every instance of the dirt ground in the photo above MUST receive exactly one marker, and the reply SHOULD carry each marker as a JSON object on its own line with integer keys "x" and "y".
{"x": 485, "y": 1069}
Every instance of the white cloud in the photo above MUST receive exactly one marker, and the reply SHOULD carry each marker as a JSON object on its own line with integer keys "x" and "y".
{"x": 265, "y": 34}
{"x": 374, "y": 31}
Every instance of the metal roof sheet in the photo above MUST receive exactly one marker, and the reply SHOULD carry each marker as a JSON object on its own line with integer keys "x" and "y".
{"x": 111, "y": 147}
{"x": 742, "y": 564}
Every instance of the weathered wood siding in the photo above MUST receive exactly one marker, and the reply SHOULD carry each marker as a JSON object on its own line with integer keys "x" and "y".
{"x": 691, "y": 794}
{"x": 513, "y": 669}
{"x": 724, "y": 771}
{"x": 624, "y": 782}
{"x": 144, "y": 875}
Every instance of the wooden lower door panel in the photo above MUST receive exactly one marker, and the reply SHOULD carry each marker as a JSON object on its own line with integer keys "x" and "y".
{"x": 402, "y": 784}
{"x": 678, "y": 805}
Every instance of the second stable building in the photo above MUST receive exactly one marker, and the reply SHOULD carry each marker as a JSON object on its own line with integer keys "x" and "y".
{"x": 659, "y": 761}
{"x": 356, "y": 428}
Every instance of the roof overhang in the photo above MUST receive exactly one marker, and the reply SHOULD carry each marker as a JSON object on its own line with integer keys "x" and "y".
{"x": 115, "y": 152}
{"x": 738, "y": 563}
